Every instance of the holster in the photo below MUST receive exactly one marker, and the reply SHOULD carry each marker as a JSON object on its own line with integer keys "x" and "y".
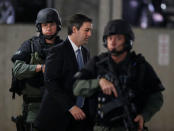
{"x": 20, "y": 122}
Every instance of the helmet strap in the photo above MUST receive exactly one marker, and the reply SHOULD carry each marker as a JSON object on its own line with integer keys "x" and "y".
{"x": 49, "y": 37}
{"x": 117, "y": 53}
{"x": 127, "y": 48}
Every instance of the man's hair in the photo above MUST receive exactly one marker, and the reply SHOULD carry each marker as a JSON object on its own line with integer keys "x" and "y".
{"x": 77, "y": 20}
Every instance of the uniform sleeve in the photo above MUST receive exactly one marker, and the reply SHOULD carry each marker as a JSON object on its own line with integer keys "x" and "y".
{"x": 87, "y": 82}
{"x": 154, "y": 97}
{"x": 152, "y": 82}
{"x": 21, "y": 70}
{"x": 21, "y": 59}
{"x": 86, "y": 88}
{"x": 154, "y": 104}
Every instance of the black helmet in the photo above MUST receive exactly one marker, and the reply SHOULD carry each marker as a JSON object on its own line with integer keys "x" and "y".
{"x": 119, "y": 27}
{"x": 48, "y": 15}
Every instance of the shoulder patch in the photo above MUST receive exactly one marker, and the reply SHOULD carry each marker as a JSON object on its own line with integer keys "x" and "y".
{"x": 17, "y": 52}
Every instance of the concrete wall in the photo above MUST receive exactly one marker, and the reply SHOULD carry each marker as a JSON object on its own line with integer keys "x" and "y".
{"x": 11, "y": 36}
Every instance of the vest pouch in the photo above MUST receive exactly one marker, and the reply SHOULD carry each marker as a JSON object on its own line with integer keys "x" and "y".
{"x": 35, "y": 58}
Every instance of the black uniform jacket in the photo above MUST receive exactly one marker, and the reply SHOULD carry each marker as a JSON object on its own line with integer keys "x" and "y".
{"x": 39, "y": 45}
{"x": 140, "y": 75}
{"x": 61, "y": 65}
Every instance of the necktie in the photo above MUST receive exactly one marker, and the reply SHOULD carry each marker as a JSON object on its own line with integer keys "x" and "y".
{"x": 80, "y": 99}
{"x": 79, "y": 59}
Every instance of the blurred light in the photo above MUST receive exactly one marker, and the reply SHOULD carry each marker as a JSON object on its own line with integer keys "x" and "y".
{"x": 133, "y": 3}
{"x": 151, "y": 7}
{"x": 143, "y": 25}
{"x": 163, "y": 6}
{"x": 157, "y": 17}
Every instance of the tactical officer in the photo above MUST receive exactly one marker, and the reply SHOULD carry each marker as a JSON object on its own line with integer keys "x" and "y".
{"x": 29, "y": 62}
{"x": 123, "y": 86}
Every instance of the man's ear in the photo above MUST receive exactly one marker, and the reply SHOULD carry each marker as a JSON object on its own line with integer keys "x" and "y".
{"x": 74, "y": 29}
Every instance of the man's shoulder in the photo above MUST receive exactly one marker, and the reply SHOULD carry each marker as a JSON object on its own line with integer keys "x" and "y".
{"x": 60, "y": 47}
{"x": 33, "y": 38}
{"x": 138, "y": 58}
{"x": 102, "y": 58}
{"x": 25, "y": 46}
{"x": 23, "y": 51}
{"x": 28, "y": 41}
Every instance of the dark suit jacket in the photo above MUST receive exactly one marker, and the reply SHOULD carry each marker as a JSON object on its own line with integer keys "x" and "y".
{"x": 61, "y": 65}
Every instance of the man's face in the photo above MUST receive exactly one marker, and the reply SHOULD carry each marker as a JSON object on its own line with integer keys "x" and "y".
{"x": 49, "y": 28}
{"x": 115, "y": 42}
{"x": 82, "y": 35}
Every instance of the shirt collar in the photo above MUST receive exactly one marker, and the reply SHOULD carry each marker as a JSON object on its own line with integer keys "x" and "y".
{"x": 75, "y": 48}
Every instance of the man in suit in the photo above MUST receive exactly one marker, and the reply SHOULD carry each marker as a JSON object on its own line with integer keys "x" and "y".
{"x": 59, "y": 111}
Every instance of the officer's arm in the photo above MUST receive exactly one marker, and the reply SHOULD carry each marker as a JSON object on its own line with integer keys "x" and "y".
{"x": 154, "y": 98}
{"x": 87, "y": 82}
{"x": 22, "y": 70}
{"x": 154, "y": 104}
{"x": 21, "y": 58}
{"x": 86, "y": 87}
